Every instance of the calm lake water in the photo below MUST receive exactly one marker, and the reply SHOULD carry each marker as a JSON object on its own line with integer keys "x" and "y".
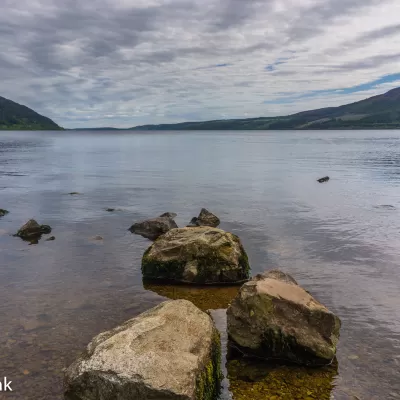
{"x": 340, "y": 240}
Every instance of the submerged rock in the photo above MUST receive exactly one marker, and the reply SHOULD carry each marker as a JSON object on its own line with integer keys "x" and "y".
{"x": 154, "y": 228}
{"x": 110, "y": 209}
{"x": 253, "y": 379}
{"x": 50, "y": 239}
{"x": 205, "y": 218}
{"x": 272, "y": 317}
{"x": 324, "y": 179}
{"x": 201, "y": 255}
{"x": 73, "y": 193}
{"x": 3, "y": 212}
{"x": 33, "y": 231}
{"x": 171, "y": 352}
{"x": 206, "y": 298}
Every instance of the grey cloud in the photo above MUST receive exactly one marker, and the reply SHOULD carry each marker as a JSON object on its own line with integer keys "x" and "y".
{"x": 233, "y": 13}
{"x": 316, "y": 18}
{"x": 77, "y": 60}
{"x": 366, "y": 63}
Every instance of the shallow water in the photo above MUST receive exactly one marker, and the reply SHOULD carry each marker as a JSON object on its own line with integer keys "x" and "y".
{"x": 340, "y": 240}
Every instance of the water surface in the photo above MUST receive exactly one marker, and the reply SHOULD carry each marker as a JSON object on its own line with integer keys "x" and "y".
{"x": 340, "y": 240}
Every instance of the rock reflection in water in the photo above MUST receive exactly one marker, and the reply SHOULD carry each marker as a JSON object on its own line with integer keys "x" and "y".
{"x": 204, "y": 297}
{"x": 260, "y": 380}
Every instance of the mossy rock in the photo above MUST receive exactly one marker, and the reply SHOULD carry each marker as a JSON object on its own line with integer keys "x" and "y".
{"x": 273, "y": 317}
{"x": 202, "y": 255}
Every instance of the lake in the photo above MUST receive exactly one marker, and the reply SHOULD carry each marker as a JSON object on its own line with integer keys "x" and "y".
{"x": 340, "y": 240}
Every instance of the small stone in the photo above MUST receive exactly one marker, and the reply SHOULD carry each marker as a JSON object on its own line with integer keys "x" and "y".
{"x": 205, "y": 218}
{"x": 50, "y": 238}
{"x": 98, "y": 237}
{"x": 324, "y": 179}
{"x": 3, "y": 212}
{"x": 73, "y": 193}
{"x": 32, "y": 231}
{"x": 26, "y": 372}
{"x": 353, "y": 357}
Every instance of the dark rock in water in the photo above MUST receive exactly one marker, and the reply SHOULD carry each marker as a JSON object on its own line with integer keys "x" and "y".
{"x": 169, "y": 215}
{"x": 193, "y": 223}
{"x": 272, "y": 317}
{"x": 386, "y": 206}
{"x": 110, "y": 209}
{"x": 46, "y": 229}
{"x": 202, "y": 255}
{"x": 3, "y": 212}
{"x": 170, "y": 352}
{"x": 73, "y": 193}
{"x": 97, "y": 237}
{"x": 324, "y": 179}
{"x": 205, "y": 218}
{"x": 32, "y": 231}
{"x": 50, "y": 239}
{"x": 153, "y": 228}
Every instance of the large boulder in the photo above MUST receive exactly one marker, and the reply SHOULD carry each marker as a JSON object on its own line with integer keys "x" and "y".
{"x": 205, "y": 218}
{"x": 272, "y": 317}
{"x": 155, "y": 227}
{"x": 32, "y": 230}
{"x": 171, "y": 352}
{"x": 201, "y": 255}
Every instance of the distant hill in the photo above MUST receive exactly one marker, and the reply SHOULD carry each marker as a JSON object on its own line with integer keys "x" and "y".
{"x": 14, "y": 116}
{"x": 378, "y": 112}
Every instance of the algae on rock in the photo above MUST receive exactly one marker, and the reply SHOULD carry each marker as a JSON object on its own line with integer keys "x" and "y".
{"x": 272, "y": 317}
{"x": 201, "y": 255}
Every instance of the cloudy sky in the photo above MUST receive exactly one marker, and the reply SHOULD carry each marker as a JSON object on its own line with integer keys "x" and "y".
{"x": 129, "y": 62}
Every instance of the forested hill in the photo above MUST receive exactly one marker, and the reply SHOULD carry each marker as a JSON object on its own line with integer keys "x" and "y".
{"x": 14, "y": 116}
{"x": 378, "y": 112}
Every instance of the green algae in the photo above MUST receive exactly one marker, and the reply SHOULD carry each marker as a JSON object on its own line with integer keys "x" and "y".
{"x": 204, "y": 297}
{"x": 206, "y": 264}
{"x": 208, "y": 384}
{"x": 256, "y": 380}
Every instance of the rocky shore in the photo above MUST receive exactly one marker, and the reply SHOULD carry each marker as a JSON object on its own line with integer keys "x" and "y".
{"x": 173, "y": 351}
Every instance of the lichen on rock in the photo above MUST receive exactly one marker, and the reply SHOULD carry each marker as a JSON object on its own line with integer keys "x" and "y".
{"x": 272, "y": 317}
{"x": 171, "y": 352}
{"x": 201, "y": 255}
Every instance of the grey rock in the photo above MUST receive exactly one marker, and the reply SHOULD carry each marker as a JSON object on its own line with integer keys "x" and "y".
{"x": 153, "y": 228}
{"x": 171, "y": 352}
{"x": 205, "y": 218}
{"x": 272, "y": 317}
{"x": 50, "y": 239}
{"x": 169, "y": 215}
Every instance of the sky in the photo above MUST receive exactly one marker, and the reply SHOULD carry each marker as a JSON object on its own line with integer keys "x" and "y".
{"x": 125, "y": 63}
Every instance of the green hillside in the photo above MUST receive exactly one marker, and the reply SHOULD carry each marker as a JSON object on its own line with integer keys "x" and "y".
{"x": 14, "y": 116}
{"x": 378, "y": 112}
